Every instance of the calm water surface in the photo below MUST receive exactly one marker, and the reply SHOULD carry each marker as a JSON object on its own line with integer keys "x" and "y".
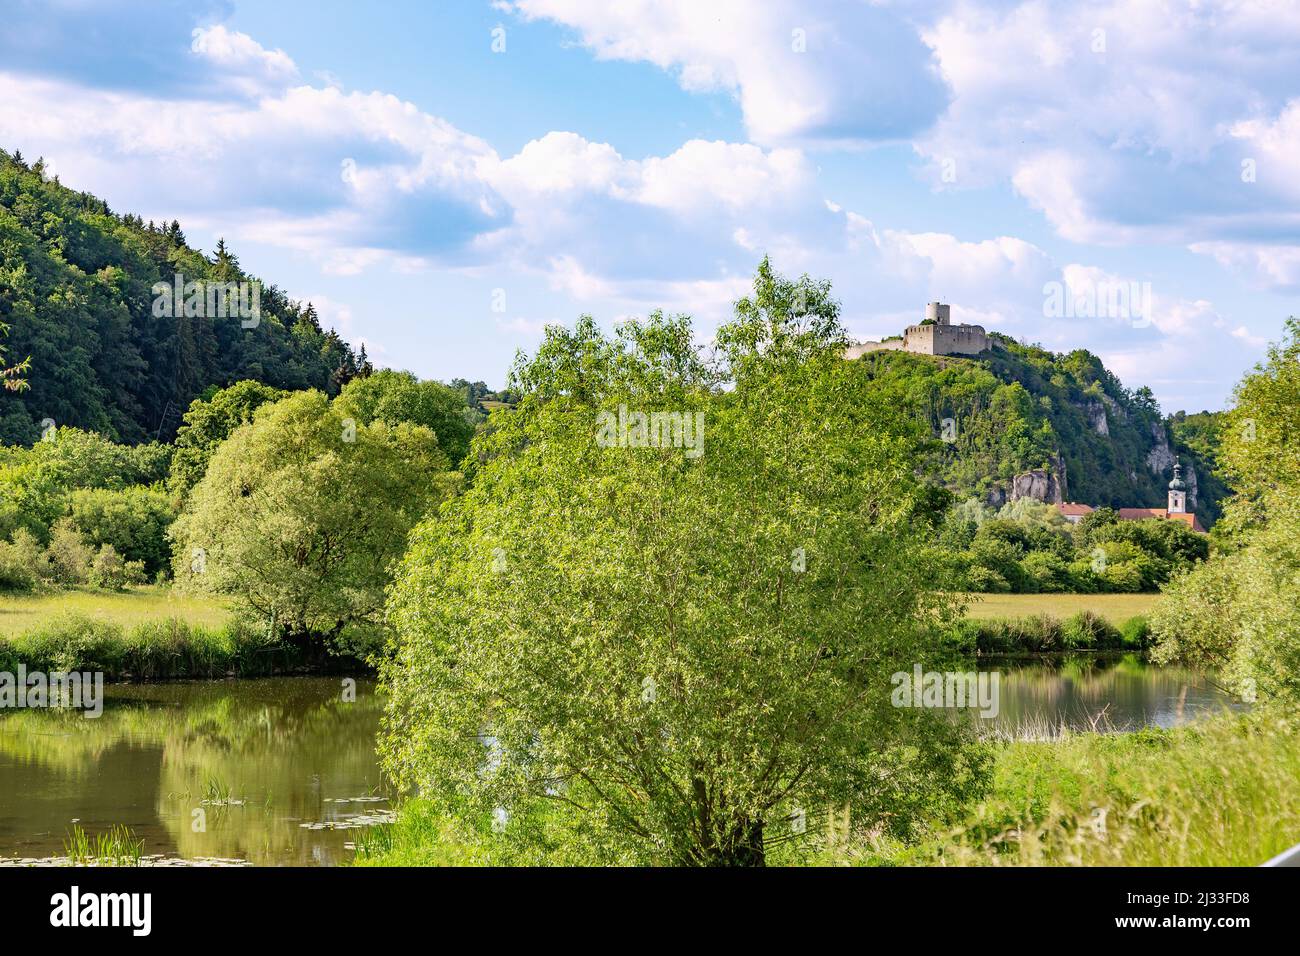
{"x": 284, "y": 770}
{"x": 1101, "y": 692}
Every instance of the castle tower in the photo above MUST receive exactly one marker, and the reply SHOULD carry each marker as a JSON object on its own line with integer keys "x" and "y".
{"x": 938, "y": 312}
{"x": 1177, "y": 492}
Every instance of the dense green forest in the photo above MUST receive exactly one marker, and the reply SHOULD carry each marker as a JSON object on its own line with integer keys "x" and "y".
{"x": 1018, "y": 408}
{"x": 76, "y": 285}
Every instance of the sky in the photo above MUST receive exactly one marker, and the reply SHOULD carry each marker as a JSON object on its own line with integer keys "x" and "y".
{"x": 444, "y": 179}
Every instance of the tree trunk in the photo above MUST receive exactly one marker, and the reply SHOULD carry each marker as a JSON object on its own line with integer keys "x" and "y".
{"x": 743, "y": 846}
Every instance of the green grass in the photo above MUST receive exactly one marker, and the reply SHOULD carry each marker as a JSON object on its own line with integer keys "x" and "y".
{"x": 1116, "y": 608}
{"x": 137, "y": 605}
{"x": 1221, "y": 792}
{"x": 116, "y": 847}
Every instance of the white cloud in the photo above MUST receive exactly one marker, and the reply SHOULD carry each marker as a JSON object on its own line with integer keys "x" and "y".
{"x": 1271, "y": 266}
{"x": 813, "y": 70}
{"x": 1127, "y": 121}
{"x": 244, "y": 62}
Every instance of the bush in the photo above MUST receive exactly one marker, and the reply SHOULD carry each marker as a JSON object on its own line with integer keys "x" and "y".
{"x": 1048, "y": 571}
{"x": 153, "y": 650}
{"x": 133, "y": 520}
{"x": 1039, "y": 634}
{"x": 1135, "y": 634}
{"x": 986, "y": 581}
{"x": 68, "y": 554}
{"x": 110, "y": 572}
{"x": 23, "y": 566}
{"x": 68, "y": 642}
{"x": 1087, "y": 629}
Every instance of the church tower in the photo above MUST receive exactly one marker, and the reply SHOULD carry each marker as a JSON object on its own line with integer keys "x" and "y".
{"x": 1177, "y": 492}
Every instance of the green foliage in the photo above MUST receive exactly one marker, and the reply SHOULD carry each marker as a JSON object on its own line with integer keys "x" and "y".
{"x": 35, "y": 482}
{"x": 208, "y": 422}
{"x": 299, "y": 516}
{"x": 1039, "y": 633}
{"x": 395, "y": 397}
{"x": 1029, "y": 548}
{"x": 1238, "y": 613}
{"x": 1019, "y": 407}
{"x": 677, "y": 653}
{"x": 1218, "y": 793}
{"x": 68, "y": 553}
{"x": 76, "y": 286}
{"x": 151, "y": 650}
{"x": 110, "y": 572}
{"x": 133, "y": 521}
{"x": 23, "y": 565}
{"x": 118, "y": 846}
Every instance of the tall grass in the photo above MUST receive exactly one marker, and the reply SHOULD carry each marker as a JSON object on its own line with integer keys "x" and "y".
{"x": 115, "y": 847}
{"x": 1222, "y": 792}
{"x": 1042, "y": 633}
{"x": 151, "y": 650}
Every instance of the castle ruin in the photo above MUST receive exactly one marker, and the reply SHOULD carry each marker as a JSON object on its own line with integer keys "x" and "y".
{"x": 935, "y": 336}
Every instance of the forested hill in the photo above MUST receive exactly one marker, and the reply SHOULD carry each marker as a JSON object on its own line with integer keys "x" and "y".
{"x": 76, "y": 285}
{"x": 1028, "y": 422}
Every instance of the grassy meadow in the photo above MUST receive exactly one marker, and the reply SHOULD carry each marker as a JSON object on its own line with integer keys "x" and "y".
{"x": 136, "y": 605}
{"x": 1115, "y": 608}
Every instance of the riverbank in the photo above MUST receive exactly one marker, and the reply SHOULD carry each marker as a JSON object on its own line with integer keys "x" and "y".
{"x": 146, "y": 633}
{"x": 164, "y": 649}
{"x": 1221, "y": 792}
{"x": 1043, "y": 633}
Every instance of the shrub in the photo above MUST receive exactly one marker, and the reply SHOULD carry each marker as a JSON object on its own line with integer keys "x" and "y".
{"x": 1087, "y": 629}
{"x": 1135, "y": 633}
{"x": 70, "y": 641}
{"x": 1048, "y": 571}
{"x": 133, "y": 520}
{"x": 986, "y": 581}
{"x": 69, "y": 555}
{"x": 23, "y": 566}
{"x": 110, "y": 572}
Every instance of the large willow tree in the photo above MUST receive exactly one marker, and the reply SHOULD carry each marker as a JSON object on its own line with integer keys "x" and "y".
{"x": 687, "y": 657}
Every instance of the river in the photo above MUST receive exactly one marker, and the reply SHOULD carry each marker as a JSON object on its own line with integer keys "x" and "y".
{"x": 282, "y": 771}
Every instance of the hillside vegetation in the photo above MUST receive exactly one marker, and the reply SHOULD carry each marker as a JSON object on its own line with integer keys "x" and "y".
{"x": 76, "y": 294}
{"x": 1017, "y": 409}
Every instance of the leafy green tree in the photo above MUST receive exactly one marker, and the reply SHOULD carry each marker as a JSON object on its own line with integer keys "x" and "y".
{"x": 393, "y": 397}
{"x": 1238, "y": 612}
{"x": 688, "y": 658}
{"x": 300, "y": 514}
{"x": 68, "y": 553}
{"x": 134, "y": 521}
{"x": 35, "y": 482}
{"x": 11, "y": 376}
{"x": 208, "y": 422}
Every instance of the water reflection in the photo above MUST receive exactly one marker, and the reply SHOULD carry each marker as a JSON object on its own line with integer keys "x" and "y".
{"x": 273, "y": 772}
{"x": 283, "y": 771}
{"x": 1043, "y": 695}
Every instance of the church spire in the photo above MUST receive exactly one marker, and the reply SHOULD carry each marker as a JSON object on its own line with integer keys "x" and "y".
{"x": 1177, "y": 491}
